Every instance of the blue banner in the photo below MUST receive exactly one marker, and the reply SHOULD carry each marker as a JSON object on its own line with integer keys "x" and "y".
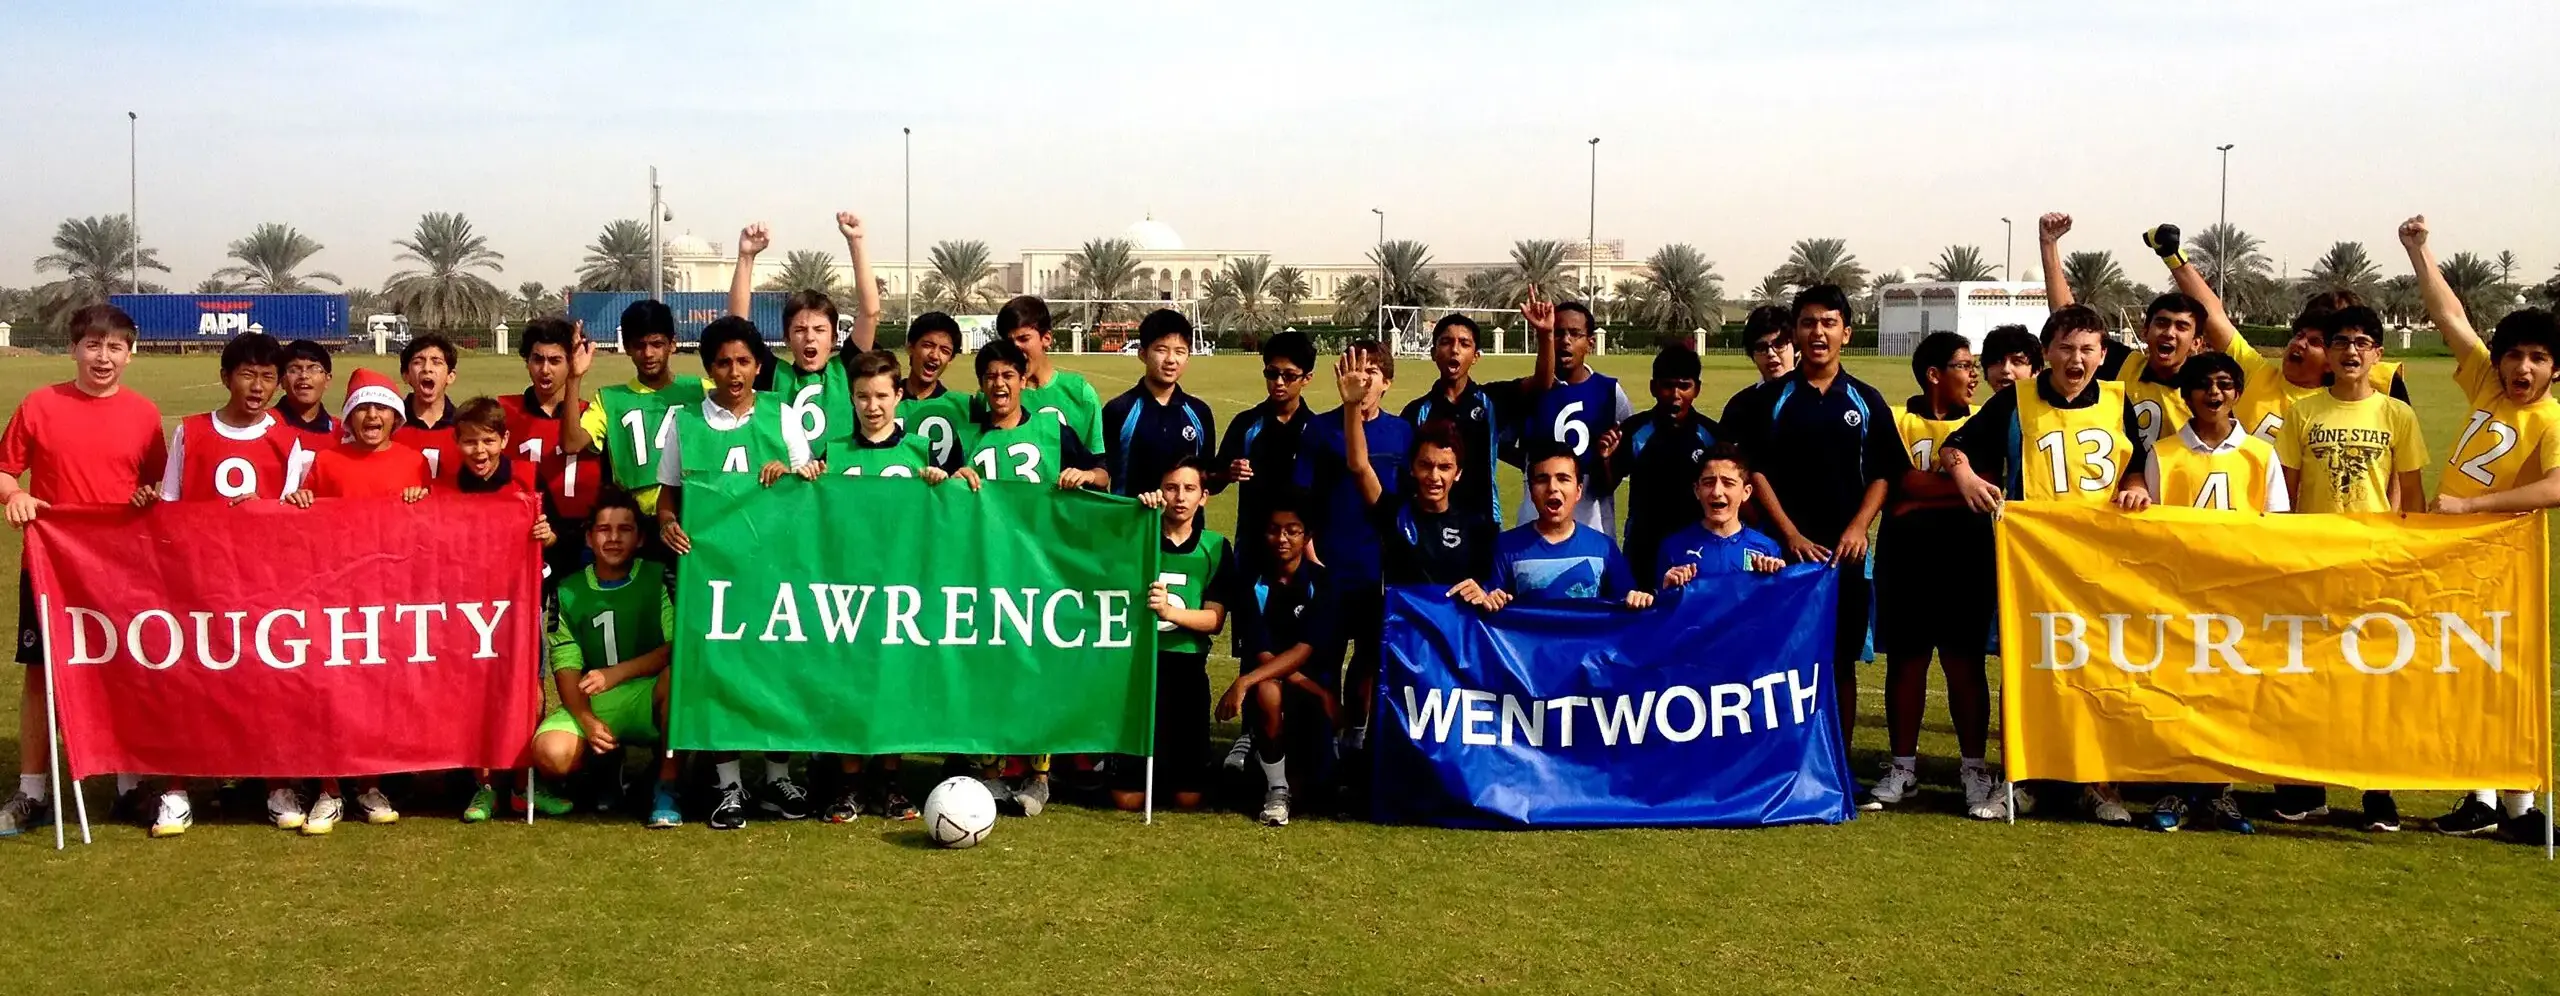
{"x": 1712, "y": 708}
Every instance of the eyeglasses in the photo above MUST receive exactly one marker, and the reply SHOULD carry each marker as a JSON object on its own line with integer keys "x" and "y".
{"x": 1283, "y": 376}
{"x": 2355, "y": 342}
{"x": 1765, "y": 348}
{"x": 1962, "y": 365}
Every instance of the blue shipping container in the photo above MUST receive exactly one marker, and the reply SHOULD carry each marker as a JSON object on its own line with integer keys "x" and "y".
{"x": 218, "y": 317}
{"x": 602, "y": 311}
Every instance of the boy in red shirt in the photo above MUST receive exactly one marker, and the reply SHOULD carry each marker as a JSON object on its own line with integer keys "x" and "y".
{"x": 426, "y": 415}
{"x": 89, "y": 440}
{"x": 540, "y": 424}
{"x": 480, "y": 432}
{"x": 369, "y": 464}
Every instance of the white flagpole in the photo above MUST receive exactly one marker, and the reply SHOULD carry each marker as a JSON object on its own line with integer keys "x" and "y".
{"x": 1150, "y": 804}
{"x": 52, "y": 721}
{"x": 528, "y": 795}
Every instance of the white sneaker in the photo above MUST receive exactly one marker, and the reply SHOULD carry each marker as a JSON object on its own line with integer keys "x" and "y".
{"x": 1983, "y": 799}
{"x": 175, "y": 815}
{"x": 1897, "y": 784}
{"x": 1240, "y": 753}
{"x": 1275, "y": 806}
{"x": 284, "y": 809}
{"x": 2023, "y": 802}
{"x": 323, "y": 816}
{"x": 376, "y": 807}
{"x": 2105, "y": 806}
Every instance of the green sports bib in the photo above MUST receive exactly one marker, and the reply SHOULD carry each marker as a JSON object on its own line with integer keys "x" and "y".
{"x": 612, "y": 625}
{"x": 744, "y": 449}
{"x": 1186, "y": 583}
{"x": 1032, "y": 451}
{"x": 636, "y": 425}
{"x": 908, "y": 456}
{"x": 820, "y": 404}
{"x": 1069, "y": 398}
{"x": 938, "y": 420}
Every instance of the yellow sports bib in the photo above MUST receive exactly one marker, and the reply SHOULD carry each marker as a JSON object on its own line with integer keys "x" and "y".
{"x": 2503, "y": 444}
{"x": 1924, "y": 438}
{"x": 2230, "y": 480}
{"x": 2159, "y": 410}
{"x": 2266, "y": 401}
{"x": 2071, "y": 454}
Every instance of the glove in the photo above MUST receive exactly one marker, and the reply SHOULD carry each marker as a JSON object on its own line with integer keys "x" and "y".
{"x": 2163, "y": 239}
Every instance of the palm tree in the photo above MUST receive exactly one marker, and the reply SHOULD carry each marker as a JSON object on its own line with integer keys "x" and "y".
{"x": 2097, "y": 281}
{"x": 1813, "y": 262}
{"x": 96, "y": 258}
{"x": 2225, "y": 256}
{"x": 1627, "y": 300}
{"x": 215, "y": 285}
{"x": 806, "y": 269}
{"x": 962, "y": 270}
{"x": 1103, "y": 269}
{"x": 2398, "y": 300}
{"x": 2474, "y": 280}
{"x": 2507, "y": 264}
{"x": 1773, "y": 289}
{"x": 1682, "y": 289}
{"x": 362, "y": 302}
{"x": 445, "y": 293}
{"x": 1242, "y": 292}
{"x": 1960, "y": 263}
{"x": 1410, "y": 281}
{"x": 2345, "y": 267}
{"x": 531, "y": 300}
{"x": 17, "y": 307}
{"x": 619, "y": 259}
{"x": 1287, "y": 286}
{"x": 269, "y": 258}
{"x": 1356, "y": 303}
{"x": 1539, "y": 264}
{"x": 1486, "y": 289}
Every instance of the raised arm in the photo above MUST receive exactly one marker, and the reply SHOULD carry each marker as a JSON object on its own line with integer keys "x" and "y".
{"x": 2219, "y": 333}
{"x": 742, "y": 281}
{"x": 2443, "y": 308}
{"x": 2049, "y": 232}
{"x": 1356, "y": 385}
{"x": 574, "y": 437}
{"x": 1541, "y": 319}
{"x": 866, "y": 295}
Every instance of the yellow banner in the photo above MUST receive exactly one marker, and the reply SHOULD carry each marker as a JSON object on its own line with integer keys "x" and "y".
{"x": 2186, "y": 645}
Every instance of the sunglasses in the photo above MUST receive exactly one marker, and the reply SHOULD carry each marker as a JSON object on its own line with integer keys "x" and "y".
{"x": 1283, "y": 376}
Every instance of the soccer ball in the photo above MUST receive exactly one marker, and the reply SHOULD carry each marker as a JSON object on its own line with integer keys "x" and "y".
{"x": 959, "y": 813}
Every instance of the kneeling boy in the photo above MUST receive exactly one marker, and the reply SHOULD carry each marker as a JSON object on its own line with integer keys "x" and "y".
{"x": 1718, "y": 543}
{"x": 608, "y": 644}
{"x": 1554, "y": 556}
{"x": 1285, "y": 636}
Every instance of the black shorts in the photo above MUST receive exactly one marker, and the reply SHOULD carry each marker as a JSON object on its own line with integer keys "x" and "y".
{"x": 1364, "y": 623}
{"x": 1934, "y": 584}
{"x": 30, "y": 624}
{"x": 1182, "y": 729}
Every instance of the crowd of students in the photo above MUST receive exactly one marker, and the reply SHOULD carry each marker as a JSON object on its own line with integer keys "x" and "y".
{"x": 1332, "y": 506}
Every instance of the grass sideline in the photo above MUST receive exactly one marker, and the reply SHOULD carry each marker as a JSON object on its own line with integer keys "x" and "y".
{"x": 1085, "y": 900}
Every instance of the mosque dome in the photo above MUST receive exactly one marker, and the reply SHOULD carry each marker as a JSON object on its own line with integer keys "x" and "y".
{"x": 689, "y": 244}
{"x": 1150, "y": 234}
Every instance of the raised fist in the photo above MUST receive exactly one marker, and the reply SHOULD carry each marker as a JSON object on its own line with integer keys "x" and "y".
{"x": 2053, "y": 226}
{"x": 2163, "y": 240}
{"x": 849, "y": 225}
{"x": 2413, "y": 232}
{"x": 753, "y": 239}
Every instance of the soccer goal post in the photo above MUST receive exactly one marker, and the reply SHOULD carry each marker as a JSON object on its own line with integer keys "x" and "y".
{"x": 1104, "y": 325}
{"x": 1410, "y": 328}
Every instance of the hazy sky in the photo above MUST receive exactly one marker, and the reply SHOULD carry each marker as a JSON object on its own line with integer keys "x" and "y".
{"x": 1737, "y": 127}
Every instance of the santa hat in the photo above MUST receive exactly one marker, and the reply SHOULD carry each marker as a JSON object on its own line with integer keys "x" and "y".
{"x": 371, "y": 387}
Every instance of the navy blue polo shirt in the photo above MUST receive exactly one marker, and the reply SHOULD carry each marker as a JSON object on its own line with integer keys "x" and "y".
{"x": 1269, "y": 443}
{"x": 1144, "y": 437}
{"x": 1337, "y": 513}
{"x": 1818, "y": 448}
{"x": 1281, "y": 614}
{"x": 1488, "y": 418}
{"x": 1659, "y": 453}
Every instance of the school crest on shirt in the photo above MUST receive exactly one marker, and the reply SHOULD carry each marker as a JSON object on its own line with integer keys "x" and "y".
{"x": 1190, "y": 434}
{"x": 1850, "y": 418}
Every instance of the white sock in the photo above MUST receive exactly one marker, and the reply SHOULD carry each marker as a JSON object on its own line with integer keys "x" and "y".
{"x": 1275, "y": 774}
{"x": 1975, "y": 764}
{"x": 1911, "y": 763}
{"x": 36, "y": 787}
{"x": 127, "y": 783}
{"x": 726, "y": 773}
{"x": 2515, "y": 803}
{"x": 777, "y": 769}
{"x": 2485, "y": 797}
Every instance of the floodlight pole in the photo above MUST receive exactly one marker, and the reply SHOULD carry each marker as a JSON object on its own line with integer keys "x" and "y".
{"x": 2008, "y": 249}
{"x": 2222, "y": 266}
{"x": 1381, "y": 253}
{"x": 657, "y": 242}
{"x": 909, "y": 266}
{"x": 133, "y": 192}
{"x": 1591, "y": 231}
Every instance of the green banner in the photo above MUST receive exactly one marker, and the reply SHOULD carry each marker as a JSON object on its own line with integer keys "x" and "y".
{"x": 877, "y": 615}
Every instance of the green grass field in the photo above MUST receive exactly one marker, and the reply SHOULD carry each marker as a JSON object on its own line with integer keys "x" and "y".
{"x": 1081, "y": 900}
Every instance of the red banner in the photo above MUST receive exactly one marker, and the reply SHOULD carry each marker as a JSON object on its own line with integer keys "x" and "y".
{"x": 356, "y": 637}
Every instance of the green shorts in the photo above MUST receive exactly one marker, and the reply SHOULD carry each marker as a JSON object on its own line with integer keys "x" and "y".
{"x": 628, "y": 709}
